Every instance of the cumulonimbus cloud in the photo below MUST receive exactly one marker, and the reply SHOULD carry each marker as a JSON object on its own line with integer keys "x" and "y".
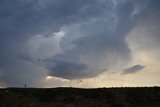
{"x": 92, "y": 37}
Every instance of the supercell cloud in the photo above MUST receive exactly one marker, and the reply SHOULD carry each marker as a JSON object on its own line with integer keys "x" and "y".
{"x": 69, "y": 39}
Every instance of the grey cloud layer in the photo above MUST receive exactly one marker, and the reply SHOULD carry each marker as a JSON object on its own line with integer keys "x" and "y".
{"x": 146, "y": 31}
{"x": 100, "y": 44}
{"x": 93, "y": 39}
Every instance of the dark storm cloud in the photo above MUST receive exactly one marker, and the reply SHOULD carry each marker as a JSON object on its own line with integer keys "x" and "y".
{"x": 133, "y": 69}
{"x": 22, "y": 19}
{"x": 100, "y": 44}
{"x": 67, "y": 69}
{"x": 93, "y": 40}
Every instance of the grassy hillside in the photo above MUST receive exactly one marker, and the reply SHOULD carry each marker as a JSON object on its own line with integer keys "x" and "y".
{"x": 76, "y": 97}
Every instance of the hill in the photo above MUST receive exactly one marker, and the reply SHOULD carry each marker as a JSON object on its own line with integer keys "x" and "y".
{"x": 77, "y": 97}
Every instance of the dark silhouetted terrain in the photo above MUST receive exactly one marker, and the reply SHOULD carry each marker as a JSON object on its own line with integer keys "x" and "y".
{"x": 77, "y": 97}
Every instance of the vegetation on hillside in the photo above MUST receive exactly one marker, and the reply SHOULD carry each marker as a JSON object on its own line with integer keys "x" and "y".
{"x": 77, "y": 97}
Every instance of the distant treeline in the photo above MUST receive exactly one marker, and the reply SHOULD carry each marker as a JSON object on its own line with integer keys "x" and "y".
{"x": 78, "y": 97}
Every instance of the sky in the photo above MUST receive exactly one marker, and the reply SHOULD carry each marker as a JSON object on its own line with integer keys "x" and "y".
{"x": 79, "y": 43}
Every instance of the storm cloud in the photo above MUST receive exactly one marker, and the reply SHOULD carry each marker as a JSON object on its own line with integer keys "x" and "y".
{"x": 98, "y": 44}
{"x": 70, "y": 39}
